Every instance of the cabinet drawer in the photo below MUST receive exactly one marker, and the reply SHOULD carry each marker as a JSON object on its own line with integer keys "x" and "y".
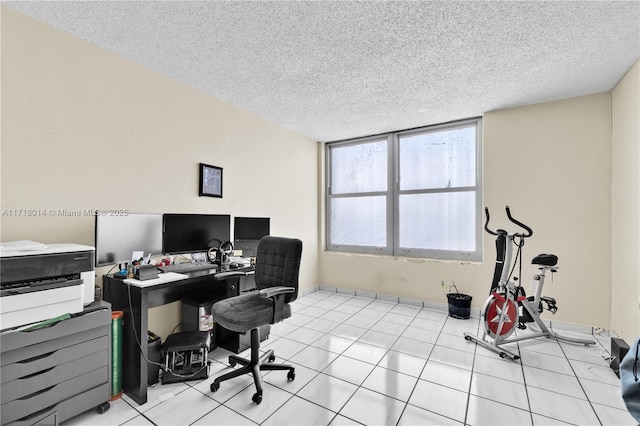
{"x": 20, "y": 354}
{"x": 68, "y": 408}
{"x": 25, "y": 367}
{"x": 32, "y": 383}
{"x": 14, "y": 410}
{"x": 12, "y": 340}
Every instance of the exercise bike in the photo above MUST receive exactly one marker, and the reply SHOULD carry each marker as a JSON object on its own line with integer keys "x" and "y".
{"x": 507, "y": 306}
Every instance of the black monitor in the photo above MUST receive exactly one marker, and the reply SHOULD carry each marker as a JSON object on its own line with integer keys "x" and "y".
{"x": 250, "y": 228}
{"x": 117, "y": 237}
{"x": 194, "y": 233}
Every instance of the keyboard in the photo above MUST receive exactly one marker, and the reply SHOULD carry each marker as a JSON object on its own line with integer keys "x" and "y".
{"x": 183, "y": 268}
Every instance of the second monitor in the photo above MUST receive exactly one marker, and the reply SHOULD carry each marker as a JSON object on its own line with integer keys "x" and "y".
{"x": 248, "y": 231}
{"x": 193, "y": 233}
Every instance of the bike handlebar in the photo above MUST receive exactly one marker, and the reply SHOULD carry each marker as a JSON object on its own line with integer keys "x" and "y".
{"x": 529, "y": 231}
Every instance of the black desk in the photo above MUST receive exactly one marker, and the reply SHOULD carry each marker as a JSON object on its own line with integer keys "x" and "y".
{"x": 135, "y": 297}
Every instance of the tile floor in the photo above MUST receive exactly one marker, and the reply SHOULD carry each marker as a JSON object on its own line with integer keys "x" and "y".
{"x": 373, "y": 362}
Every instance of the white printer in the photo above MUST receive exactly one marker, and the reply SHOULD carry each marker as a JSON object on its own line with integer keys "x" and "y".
{"x": 42, "y": 281}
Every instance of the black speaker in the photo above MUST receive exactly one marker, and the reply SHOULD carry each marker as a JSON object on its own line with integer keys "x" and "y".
{"x": 619, "y": 349}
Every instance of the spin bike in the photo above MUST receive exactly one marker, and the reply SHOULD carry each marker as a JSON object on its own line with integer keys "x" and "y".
{"x": 507, "y": 306}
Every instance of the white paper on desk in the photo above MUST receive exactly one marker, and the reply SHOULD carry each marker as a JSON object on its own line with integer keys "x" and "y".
{"x": 137, "y": 255}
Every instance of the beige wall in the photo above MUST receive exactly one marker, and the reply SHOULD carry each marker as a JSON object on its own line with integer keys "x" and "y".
{"x": 625, "y": 207}
{"x": 551, "y": 164}
{"x": 83, "y": 128}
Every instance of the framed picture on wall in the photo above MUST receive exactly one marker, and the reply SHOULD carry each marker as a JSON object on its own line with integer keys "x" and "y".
{"x": 210, "y": 181}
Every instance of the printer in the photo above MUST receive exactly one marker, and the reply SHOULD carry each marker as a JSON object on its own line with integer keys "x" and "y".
{"x": 42, "y": 281}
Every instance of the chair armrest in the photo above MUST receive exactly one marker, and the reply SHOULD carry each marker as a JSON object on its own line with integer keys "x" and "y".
{"x": 230, "y": 274}
{"x": 277, "y": 296}
{"x": 275, "y": 291}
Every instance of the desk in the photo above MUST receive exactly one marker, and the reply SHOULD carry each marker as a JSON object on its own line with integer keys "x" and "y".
{"x": 135, "y": 297}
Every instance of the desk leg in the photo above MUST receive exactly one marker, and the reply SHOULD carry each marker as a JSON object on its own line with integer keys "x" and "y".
{"x": 135, "y": 350}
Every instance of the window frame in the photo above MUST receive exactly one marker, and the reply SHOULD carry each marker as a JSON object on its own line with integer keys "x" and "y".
{"x": 393, "y": 194}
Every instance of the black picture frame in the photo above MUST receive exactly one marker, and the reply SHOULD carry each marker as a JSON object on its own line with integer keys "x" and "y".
{"x": 210, "y": 181}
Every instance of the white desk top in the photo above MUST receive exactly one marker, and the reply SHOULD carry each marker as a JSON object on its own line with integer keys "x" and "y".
{"x": 165, "y": 277}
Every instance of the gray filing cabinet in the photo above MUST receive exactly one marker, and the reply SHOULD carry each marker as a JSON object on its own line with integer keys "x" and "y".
{"x": 51, "y": 374}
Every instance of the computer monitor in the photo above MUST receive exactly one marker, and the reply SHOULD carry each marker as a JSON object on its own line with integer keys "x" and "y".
{"x": 247, "y": 232}
{"x": 194, "y": 233}
{"x": 117, "y": 237}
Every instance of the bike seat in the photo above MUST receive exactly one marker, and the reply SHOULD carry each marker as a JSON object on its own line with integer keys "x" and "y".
{"x": 545, "y": 259}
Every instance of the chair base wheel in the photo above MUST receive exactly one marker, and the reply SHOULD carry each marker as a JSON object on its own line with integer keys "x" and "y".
{"x": 215, "y": 386}
{"x": 272, "y": 358}
{"x": 291, "y": 375}
{"x": 257, "y": 398}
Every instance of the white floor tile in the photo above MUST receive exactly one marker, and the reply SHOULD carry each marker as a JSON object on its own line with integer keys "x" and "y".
{"x": 390, "y": 383}
{"x": 439, "y": 399}
{"x": 452, "y": 357}
{"x": 398, "y": 318}
{"x": 455, "y": 342}
{"x": 378, "y": 338}
{"x": 413, "y": 347}
{"x": 486, "y": 412}
{"x": 614, "y": 416}
{"x": 603, "y": 393}
{"x": 413, "y": 416}
{"x": 304, "y": 335}
{"x": 564, "y": 408}
{"x": 328, "y": 391}
{"x": 349, "y": 369}
{"x": 389, "y": 328}
{"x": 547, "y": 362}
{"x": 279, "y": 378}
{"x": 403, "y": 363}
{"x": 272, "y": 399}
{"x": 348, "y": 331}
{"x": 427, "y": 324}
{"x": 320, "y": 324}
{"x": 298, "y": 411}
{"x": 502, "y": 391}
{"x": 335, "y": 316}
{"x": 343, "y": 421}
{"x": 365, "y": 352}
{"x": 284, "y": 348}
{"x": 333, "y": 343}
{"x": 172, "y": 412}
{"x": 503, "y": 368}
{"x": 371, "y": 408}
{"x": 539, "y": 420}
{"x": 447, "y": 375}
{"x": 224, "y": 416}
{"x": 552, "y": 381}
{"x": 421, "y": 334}
{"x": 314, "y": 358}
{"x": 598, "y": 373}
{"x": 347, "y": 308}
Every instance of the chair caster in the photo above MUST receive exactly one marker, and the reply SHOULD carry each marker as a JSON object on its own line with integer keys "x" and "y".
{"x": 257, "y": 398}
{"x": 232, "y": 363}
{"x": 272, "y": 358}
{"x": 291, "y": 375}
{"x": 102, "y": 408}
{"x": 215, "y": 386}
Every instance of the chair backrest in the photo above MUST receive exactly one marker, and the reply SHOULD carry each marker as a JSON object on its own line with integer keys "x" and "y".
{"x": 278, "y": 264}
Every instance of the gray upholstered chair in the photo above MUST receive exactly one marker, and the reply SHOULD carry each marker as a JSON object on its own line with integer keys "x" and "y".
{"x": 276, "y": 275}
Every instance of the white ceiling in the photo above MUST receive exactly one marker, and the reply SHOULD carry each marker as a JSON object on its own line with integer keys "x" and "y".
{"x": 336, "y": 70}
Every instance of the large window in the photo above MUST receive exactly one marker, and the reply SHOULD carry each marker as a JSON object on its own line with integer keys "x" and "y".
{"x": 411, "y": 193}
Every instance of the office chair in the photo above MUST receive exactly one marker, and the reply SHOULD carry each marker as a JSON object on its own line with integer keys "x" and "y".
{"x": 276, "y": 275}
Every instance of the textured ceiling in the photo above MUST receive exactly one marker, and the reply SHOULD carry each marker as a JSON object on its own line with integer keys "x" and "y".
{"x": 336, "y": 70}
